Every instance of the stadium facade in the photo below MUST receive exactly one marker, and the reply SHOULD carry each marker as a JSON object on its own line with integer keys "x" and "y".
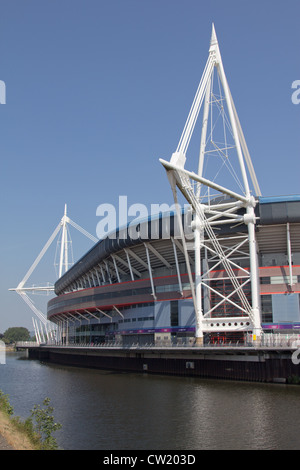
{"x": 225, "y": 269}
{"x": 133, "y": 286}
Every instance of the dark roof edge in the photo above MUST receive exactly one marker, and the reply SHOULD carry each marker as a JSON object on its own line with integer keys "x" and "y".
{"x": 270, "y": 210}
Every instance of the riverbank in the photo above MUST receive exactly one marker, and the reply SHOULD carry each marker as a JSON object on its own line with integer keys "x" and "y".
{"x": 4, "y": 444}
{"x": 10, "y": 437}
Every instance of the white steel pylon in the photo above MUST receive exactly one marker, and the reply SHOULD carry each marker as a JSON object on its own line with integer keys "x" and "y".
{"x": 234, "y": 207}
{"x": 64, "y": 264}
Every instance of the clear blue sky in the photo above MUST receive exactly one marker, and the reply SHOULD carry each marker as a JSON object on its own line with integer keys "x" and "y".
{"x": 98, "y": 91}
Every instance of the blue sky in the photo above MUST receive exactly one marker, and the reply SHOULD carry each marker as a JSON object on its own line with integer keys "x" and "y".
{"x": 97, "y": 91}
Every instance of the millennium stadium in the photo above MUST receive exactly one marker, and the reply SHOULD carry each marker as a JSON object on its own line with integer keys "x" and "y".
{"x": 221, "y": 266}
{"x": 137, "y": 290}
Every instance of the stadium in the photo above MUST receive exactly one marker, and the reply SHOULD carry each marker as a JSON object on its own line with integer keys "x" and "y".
{"x": 136, "y": 290}
{"x": 225, "y": 268}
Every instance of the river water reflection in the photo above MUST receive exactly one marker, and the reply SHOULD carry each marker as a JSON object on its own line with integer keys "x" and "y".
{"x": 116, "y": 411}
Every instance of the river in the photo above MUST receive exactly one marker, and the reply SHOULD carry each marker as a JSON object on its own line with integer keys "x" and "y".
{"x": 102, "y": 410}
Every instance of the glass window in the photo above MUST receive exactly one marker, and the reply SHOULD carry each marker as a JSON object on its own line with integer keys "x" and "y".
{"x": 174, "y": 313}
{"x": 266, "y": 307}
{"x": 265, "y": 280}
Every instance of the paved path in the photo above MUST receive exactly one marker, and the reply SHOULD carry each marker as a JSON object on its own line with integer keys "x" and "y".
{"x": 4, "y": 445}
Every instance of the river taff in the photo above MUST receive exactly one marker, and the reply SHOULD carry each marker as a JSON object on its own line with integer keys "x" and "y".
{"x": 101, "y": 410}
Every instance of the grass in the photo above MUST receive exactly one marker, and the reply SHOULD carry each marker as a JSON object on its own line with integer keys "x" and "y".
{"x": 35, "y": 433}
{"x": 15, "y": 437}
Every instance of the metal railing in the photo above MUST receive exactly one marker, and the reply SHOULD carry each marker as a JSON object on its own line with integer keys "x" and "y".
{"x": 26, "y": 344}
{"x": 267, "y": 341}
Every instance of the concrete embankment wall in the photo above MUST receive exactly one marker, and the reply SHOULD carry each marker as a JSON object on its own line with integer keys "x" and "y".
{"x": 246, "y": 364}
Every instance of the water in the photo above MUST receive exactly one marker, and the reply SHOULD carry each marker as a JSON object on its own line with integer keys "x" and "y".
{"x": 122, "y": 411}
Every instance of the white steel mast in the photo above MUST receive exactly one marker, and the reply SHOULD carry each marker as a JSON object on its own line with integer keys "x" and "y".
{"x": 64, "y": 265}
{"x": 207, "y": 215}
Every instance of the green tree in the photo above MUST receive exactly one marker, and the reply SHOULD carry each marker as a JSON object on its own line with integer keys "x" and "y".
{"x": 45, "y": 424}
{"x": 39, "y": 427}
{"x": 11, "y": 335}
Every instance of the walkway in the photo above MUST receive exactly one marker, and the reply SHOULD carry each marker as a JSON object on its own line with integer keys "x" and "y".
{"x": 4, "y": 445}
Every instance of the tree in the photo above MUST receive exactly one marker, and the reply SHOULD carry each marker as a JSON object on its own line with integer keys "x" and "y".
{"x": 45, "y": 424}
{"x": 11, "y": 335}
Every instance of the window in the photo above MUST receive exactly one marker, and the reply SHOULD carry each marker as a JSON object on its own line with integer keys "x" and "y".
{"x": 286, "y": 308}
{"x": 265, "y": 280}
{"x": 174, "y": 313}
{"x": 266, "y": 307}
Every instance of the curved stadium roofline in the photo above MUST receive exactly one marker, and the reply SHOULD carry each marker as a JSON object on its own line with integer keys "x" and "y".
{"x": 116, "y": 240}
{"x": 120, "y": 238}
{"x": 268, "y": 199}
{"x": 269, "y": 210}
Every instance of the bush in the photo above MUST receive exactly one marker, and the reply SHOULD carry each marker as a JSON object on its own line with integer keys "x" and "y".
{"x": 5, "y": 405}
{"x": 45, "y": 424}
{"x": 39, "y": 427}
